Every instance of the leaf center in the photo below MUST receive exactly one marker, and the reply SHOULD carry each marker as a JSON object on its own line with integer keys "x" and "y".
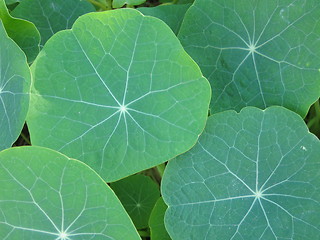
{"x": 258, "y": 194}
{"x": 63, "y": 235}
{"x": 252, "y": 48}
{"x": 123, "y": 108}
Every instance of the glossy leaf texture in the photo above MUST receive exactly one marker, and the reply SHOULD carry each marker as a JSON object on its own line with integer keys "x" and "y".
{"x": 121, "y": 3}
{"x": 156, "y": 221}
{"x": 45, "y": 195}
{"x": 172, "y": 15}
{"x": 24, "y": 33}
{"x": 138, "y": 194}
{"x": 256, "y": 53}
{"x": 118, "y": 92}
{"x": 15, "y": 80}
{"x": 51, "y": 16}
{"x": 252, "y": 175}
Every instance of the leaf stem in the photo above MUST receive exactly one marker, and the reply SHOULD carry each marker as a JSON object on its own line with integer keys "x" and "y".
{"x": 25, "y": 138}
{"x": 316, "y": 118}
{"x": 161, "y": 168}
{"x": 144, "y": 233}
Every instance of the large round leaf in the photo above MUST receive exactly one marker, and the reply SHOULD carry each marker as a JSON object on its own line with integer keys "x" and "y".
{"x": 14, "y": 89}
{"x": 257, "y": 53}
{"x": 51, "y": 16}
{"x": 24, "y": 33}
{"x": 253, "y": 175}
{"x": 118, "y": 92}
{"x": 45, "y": 195}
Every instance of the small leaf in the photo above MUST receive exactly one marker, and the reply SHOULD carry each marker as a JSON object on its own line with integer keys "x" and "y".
{"x": 257, "y": 53}
{"x": 138, "y": 194}
{"x": 156, "y": 221}
{"x": 121, "y": 3}
{"x": 24, "y": 33}
{"x": 118, "y": 92}
{"x": 15, "y": 80}
{"x": 45, "y": 195}
{"x": 51, "y": 16}
{"x": 252, "y": 175}
{"x": 170, "y": 14}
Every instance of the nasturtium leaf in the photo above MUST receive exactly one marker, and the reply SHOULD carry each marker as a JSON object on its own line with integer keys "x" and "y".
{"x": 257, "y": 53}
{"x": 24, "y": 33}
{"x": 252, "y": 175}
{"x": 51, "y": 16}
{"x": 172, "y": 14}
{"x": 46, "y": 195}
{"x": 121, "y": 3}
{"x": 118, "y": 92}
{"x": 15, "y": 80}
{"x": 156, "y": 221}
{"x": 138, "y": 194}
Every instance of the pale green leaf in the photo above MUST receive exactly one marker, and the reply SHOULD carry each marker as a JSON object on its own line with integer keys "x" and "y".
{"x": 138, "y": 194}
{"x": 24, "y": 33}
{"x": 257, "y": 53}
{"x": 118, "y": 92}
{"x": 14, "y": 89}
{"x": 51, "y": 16}
{"x": 252, "y": 175}
{"x": 46, "y": 196}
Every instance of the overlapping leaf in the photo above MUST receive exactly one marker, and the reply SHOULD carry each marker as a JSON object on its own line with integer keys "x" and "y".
{"x": 24, "y": 33}
{"x": 257, "y": 53}
{"x": 121, "y": 3}
{"x": 138, "y": 194}
{"x": 51, "y": 16}
{"x": 170, "y": 14}
{"x": 253, "y": 175}
{"x": 118, "y": 92}
{"x": 156, "y": 221}
{"x": 45, "y": 195}
{"x": 14, "y": 89}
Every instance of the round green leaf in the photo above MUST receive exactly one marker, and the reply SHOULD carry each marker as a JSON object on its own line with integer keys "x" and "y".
{"x": 257, "y": 53}
{"x": 170, "y": 14}
{"x": 14, "y": 89}
{"x": 156, "y": 221}
{"x": 118, "y": 92}
{"x": 121, "y": 3}
{"x": 253, "y": 175}
{"x": 51, "y": 16}
{"x": 24, "y": 33}
{"x": 138, "y": 194}
{"x": 45, "y": 195}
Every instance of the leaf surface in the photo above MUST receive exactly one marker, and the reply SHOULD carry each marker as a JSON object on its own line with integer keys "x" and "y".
{"x": 257, "y": 53}
{"x": 138, "y": 194}
{"x": 45, "y": 195}
{"x": 121, "y": 3}
{"x": 24, "y": 33}
{"x": 118, "y": 92}
{"x": 14, "y": 89}
{"x": 51, "y": 16}
{"x": 172, "y": 15}
{"x": 156, "y": 221}
{"x": 253, "y": 175}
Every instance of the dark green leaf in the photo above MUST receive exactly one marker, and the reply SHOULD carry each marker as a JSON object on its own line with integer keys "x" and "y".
{"x": 170, "y": 14}
{"x": 138, "y": 194}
